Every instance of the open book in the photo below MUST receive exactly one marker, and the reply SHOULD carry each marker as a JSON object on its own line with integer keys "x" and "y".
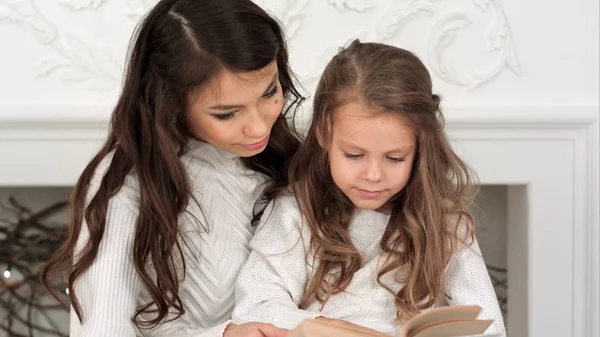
{"x": 452, "y": 321}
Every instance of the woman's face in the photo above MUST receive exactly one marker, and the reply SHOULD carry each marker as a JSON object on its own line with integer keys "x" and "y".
{"x": 236, "y": 111}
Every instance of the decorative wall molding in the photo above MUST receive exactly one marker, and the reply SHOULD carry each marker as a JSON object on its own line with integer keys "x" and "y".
{"x": 517, "y": 118}
{"x": 31, "y": 123}
{"x": 97, "y": 66}
{"x": 16, "y": 122}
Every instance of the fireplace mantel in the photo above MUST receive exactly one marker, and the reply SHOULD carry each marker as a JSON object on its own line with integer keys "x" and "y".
{"x": 550, "y": 154}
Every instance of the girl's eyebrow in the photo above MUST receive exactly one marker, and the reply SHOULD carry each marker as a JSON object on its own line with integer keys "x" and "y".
{"x": 403, "y": 149}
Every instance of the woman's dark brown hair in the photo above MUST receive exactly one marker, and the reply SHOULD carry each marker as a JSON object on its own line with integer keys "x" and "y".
{"x": 428, "y": 217}
{"x": 177, "y": 49}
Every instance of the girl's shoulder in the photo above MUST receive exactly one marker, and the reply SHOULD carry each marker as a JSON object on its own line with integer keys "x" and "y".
{"x": 284, "y": 205}
{"x": 280, "y": 226}
{"x": 461, "y": 229}
{"x": 461, "y": 223}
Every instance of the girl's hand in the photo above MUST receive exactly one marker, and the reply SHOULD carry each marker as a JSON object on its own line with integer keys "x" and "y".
{"x": 336, "y": 322}
{"x": 254, "y": 329}
{"x": 351, "y": 326}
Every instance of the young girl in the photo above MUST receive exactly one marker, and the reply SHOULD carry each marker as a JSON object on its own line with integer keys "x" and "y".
{"x": 161, "y": 217}
{"x": 377, "y": 228}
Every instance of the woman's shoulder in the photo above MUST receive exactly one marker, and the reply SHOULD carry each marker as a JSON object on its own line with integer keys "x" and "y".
{"x": 129, "y": 193}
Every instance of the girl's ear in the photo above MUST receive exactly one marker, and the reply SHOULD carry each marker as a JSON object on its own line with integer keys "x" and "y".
{"x": 321, "y": 138}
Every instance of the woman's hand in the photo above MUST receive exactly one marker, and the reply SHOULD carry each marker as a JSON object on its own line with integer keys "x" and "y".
{"x": 254, "y": 329}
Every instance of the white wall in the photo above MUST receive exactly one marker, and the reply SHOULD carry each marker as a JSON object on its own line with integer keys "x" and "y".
{"x": 481, "y": 52}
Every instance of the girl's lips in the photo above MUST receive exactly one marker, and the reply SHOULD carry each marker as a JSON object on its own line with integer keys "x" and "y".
{"x": 369, "y": 194}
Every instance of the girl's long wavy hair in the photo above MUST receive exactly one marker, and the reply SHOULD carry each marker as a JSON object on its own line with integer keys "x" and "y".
{"x": 176, "y": 50}
{"x": 423, "y": 230}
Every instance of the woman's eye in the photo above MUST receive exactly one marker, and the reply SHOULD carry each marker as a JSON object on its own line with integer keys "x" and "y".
{"x": 225, "y": 116}
{"x": 272, "y": 92}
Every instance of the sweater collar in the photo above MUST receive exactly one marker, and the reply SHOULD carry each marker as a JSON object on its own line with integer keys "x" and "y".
{"x": 215, "y": 156}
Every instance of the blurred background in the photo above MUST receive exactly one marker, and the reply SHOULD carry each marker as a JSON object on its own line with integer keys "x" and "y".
{"x": 520, "y": 88}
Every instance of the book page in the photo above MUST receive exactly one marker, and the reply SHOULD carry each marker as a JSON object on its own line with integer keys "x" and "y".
{"x": 451, "y": 313}
{"x": 453, "y": 329}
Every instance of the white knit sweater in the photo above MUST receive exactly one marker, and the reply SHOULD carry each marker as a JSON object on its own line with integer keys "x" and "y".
{"x": 216, "y": 248}
{"x": 275, "y": 276}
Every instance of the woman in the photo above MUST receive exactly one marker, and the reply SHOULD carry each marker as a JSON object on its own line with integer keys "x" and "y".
{"x": 161, "y": 217}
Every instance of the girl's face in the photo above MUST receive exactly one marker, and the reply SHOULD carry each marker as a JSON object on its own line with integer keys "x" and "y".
{"x": 237, "y": 110}
{"x": 371, "y": 154}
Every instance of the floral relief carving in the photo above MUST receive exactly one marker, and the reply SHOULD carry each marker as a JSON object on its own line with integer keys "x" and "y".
{"x": 25, "y": 14}
{"x": 313, "y": 73}
{"x": 289, "y": 12}
{"x": 443, "y": 34}
{"x": 75, "y": 59}
{"x": 498, "y": 40}
{"x": 399, "y": 14}
{"x": 137, "y": 8}
{"x": 359, "y": 6}
{"x": 78, "y": 5}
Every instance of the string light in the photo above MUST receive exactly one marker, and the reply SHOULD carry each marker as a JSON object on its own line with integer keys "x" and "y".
{"x": 39, "y": 238}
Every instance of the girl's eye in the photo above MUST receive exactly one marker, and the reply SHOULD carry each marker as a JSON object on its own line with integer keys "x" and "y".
{"x": 352, "y": 155}
{"x": 273, "y": 92}
{"x": 396, "y": 159}
{"x": 225, "y": 116}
